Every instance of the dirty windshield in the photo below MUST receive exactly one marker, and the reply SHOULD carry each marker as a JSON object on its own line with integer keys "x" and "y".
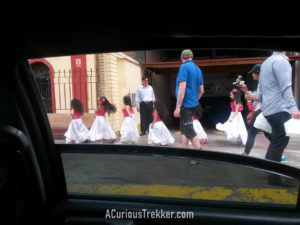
{"x": 243, "y": 102}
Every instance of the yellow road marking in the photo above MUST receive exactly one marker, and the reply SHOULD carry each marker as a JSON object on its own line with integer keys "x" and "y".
{"x": 258, "y": 195}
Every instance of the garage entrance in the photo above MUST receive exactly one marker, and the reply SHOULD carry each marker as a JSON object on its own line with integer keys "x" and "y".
{"x": 218, "y": 75}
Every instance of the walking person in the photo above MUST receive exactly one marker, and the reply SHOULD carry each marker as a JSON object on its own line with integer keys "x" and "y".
{"x": 77, "y": 132}
{"x": 129, "y": 132}
{"x": 252, "y": 131}
{"x": 189, "y": 89}
{"x": 278, "y": 103}
{"x": 101, "y": 129}
{"x": 235, "y": 127}
{"x": 158, "y": 132}
{"x": 144, "y": 100}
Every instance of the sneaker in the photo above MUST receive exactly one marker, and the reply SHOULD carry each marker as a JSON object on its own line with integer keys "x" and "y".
{"x": 239, "y": 142}
{"x": 284, "y": 159}
{"x": 203, "y": 141}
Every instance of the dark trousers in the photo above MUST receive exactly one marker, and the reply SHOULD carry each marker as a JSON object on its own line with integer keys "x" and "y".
{"x": 146, "y": 109}
{"x": 279, "y": 139}
{"x": 252, "y": 132}
{"x": 186, "y": 122}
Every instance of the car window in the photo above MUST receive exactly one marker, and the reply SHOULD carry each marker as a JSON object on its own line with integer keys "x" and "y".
{"x": 176, "y": 178}
{"x": 96, "y": 99}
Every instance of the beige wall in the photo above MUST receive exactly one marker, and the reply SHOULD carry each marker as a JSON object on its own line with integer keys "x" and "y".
{"x": 118, "y": 75}
{"x": 130, "y": 75}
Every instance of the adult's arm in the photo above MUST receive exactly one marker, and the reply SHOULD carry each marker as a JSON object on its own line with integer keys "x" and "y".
{"x": 180, "y": 97}
{"x": 138, "y": 99}
{"x": 201, "y": 91}
{"x": 283, "y": 72}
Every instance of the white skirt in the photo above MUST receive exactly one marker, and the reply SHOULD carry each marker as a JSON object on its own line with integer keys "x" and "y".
{"x": 234, "y": 129}
{"x": 160, "y": 134}
{"x": 262, "y": 123}
{"x": 292, "y": 126}
{"x": 129, "y": 131}
{"x": 199, "y": 130}
{"x": 101, "y": 130}
{"x": 77, "y": 132}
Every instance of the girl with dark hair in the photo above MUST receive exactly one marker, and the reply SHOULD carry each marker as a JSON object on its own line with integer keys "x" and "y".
{"x": 197, "y": 125}
{"x": 158, "y": 132}
{"x": 101, "y": 129}
{"x": 77, "y": 131}
{"x": 129, "y": 132}
{"x": 235, "y": 127}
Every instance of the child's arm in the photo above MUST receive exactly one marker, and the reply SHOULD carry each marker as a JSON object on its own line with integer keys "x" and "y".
{"x": 237, "y": 106}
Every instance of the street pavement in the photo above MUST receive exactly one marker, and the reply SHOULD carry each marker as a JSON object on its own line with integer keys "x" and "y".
{"x": 217, "y": 142}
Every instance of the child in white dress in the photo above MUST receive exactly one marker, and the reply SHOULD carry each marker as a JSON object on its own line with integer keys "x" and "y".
{"x": 129, "y": 132}
{"x": 197, "y": 125}
{"x": 77, "y": 131}
{"x": 158, "y": 132}
{"x": 101, "y": 129}
{"x": 235, "y": 127}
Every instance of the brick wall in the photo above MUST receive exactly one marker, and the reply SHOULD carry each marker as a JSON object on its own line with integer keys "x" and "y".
{"x": 107, "y": 79}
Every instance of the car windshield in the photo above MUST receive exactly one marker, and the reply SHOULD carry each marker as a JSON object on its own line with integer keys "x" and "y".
{"x": 131, "y": 98}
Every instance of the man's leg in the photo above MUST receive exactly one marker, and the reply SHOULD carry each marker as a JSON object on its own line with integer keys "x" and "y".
{"x": 196, "y": 142}
{"x": 149, "y": 112}
{"x": 279, "y": 139}
{"x": 187, "y": 128}
{"x": 143, "y": 109}
{"x": 184, "y": 141}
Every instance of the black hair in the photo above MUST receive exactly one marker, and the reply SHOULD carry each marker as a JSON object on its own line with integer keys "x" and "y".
{"x": 199, "y": 111}
{"x": 77, "y": 105}
{"x": 159, "y": 109}
{"x": 144, "y": 77}
{"x": 237, "y": 96}
{"x": 127, "y": 100}
{"x": 109, "y": 108}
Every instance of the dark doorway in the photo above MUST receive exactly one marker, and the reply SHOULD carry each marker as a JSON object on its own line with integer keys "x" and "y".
{"x": 41, "y": 74}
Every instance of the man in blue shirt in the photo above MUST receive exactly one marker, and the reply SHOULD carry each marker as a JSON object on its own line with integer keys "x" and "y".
{"x": 189, "y": 89}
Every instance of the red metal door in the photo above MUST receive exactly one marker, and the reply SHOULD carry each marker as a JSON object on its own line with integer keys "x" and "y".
{"x": 79, "y": 79}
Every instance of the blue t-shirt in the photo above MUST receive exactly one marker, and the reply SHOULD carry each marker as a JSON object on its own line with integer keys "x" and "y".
{"x": 192, "y": 74}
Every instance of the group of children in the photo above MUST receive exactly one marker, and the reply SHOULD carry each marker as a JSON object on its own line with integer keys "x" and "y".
{"x": 101, "y": 130}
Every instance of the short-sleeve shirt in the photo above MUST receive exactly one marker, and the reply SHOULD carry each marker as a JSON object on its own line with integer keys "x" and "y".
{"x": 125, "y": 113}
{"x": 101, "y": 112}
{"x": 241, "y": 108}
{"x": 192, "y": 75}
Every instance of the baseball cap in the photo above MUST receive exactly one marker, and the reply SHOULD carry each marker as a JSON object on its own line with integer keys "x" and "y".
{"x": 186, "y": 54}
{"x": 255, "y": 69}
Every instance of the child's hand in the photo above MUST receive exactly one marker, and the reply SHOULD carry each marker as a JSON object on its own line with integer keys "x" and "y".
{"x": 151, "y": 125}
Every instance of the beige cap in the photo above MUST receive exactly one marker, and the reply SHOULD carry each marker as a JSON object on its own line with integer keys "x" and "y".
{"x": 186, "y": 54}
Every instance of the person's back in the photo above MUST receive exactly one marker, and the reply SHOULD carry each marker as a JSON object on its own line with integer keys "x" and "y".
{"x": 274, "y": 82}
{"x": 192, "y": 74}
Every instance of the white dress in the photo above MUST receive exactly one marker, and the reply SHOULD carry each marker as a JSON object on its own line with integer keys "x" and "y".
{"x": 129, "y": 132}
{"x": 159, "y": 134}
{"x": 101, "y": 129}
{"x": 234, "y": 129}
{"x": 292, "y": 126}
{"x": 77, "y": 132}
{"x": 199, "y": 130}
